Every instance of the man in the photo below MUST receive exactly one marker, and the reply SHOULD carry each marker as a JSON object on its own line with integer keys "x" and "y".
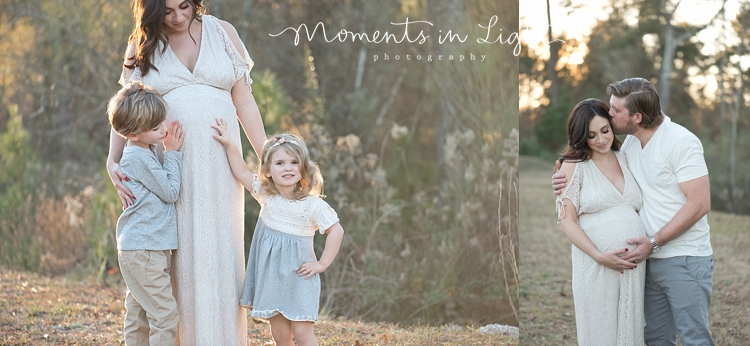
{"x": 667, "y": 162}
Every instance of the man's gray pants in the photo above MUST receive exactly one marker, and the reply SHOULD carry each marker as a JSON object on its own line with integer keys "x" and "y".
{"x": 677, "y": 300}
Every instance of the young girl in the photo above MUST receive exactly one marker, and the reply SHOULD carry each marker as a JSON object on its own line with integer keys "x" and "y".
{"x": 282, "y": 282}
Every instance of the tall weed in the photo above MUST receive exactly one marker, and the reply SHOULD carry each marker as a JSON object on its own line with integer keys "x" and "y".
{"x": 18, "y": 200}
{"x": 443, "y": 254}
{"x": 42, "y": 231}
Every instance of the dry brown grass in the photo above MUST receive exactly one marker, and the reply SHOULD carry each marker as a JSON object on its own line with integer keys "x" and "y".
{"x": 547, "y": 312}
{"x": 37, "y": 310}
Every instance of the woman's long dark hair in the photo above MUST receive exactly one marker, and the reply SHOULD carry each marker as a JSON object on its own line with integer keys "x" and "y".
{"x": 148, "y": 30}
{"x": 578, "y": 149}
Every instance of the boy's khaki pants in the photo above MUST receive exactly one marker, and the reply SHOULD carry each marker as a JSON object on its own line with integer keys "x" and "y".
{"x": 151, "y": 317}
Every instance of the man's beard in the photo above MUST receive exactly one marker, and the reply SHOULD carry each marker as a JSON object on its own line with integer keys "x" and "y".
{"x": 629, "y": 128}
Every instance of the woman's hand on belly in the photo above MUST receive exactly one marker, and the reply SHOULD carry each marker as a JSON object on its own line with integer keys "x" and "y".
{"x": 611, "y": 259}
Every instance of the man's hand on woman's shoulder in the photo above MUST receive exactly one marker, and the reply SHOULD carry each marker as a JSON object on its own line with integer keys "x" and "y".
{"x": 559, "y": 181}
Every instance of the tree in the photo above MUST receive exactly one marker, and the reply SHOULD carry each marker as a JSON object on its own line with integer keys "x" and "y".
{"x": 672, "y": 36}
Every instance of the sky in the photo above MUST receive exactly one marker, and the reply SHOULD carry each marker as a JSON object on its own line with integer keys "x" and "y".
{"x": 577, "y": 20}
{"x": 578, "y": 23}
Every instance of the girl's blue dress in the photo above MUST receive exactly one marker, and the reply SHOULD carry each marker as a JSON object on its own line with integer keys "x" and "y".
{"x": 282, "y": 242}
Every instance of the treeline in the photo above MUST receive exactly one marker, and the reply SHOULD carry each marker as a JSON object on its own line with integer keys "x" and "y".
{"x": 420, "y": 158}
{"x": 701, "y": 82}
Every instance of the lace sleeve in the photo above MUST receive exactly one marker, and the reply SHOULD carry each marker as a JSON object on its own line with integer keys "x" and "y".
{"x": 242, "y": 62}
{"x": 124, "y": 76}
{"x": 128, "y": 76}
{"x": 245, "y": 67}
{"x": 572, "y": 193}
{"x": 324, "y": 216}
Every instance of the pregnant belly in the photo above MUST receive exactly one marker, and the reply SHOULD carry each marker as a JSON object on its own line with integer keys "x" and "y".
{"x": 611, "y": 228}
{"x": 197, "y": 106}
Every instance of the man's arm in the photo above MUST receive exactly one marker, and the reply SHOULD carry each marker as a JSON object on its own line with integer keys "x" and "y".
{"x": 698, "y": 194}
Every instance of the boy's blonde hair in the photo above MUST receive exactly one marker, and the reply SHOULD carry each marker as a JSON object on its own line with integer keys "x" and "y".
{"x": 311, "y": 182}
{"x": 136, "y": 108}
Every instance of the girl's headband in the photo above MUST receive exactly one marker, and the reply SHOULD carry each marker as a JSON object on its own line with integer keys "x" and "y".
{"x": 281, "y": 141}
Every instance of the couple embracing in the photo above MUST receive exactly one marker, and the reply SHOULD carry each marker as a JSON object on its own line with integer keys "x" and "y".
{"x": 635, "y": 211}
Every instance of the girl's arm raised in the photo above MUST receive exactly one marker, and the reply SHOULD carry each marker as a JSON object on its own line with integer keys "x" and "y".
{"x": 334, "y": 236}
{"x": 236, "y": 161}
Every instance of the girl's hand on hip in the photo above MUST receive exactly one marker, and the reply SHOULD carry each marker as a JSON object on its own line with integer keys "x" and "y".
{"x": 309, "y": 269}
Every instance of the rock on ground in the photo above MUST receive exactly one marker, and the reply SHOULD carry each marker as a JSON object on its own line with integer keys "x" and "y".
{"x": 500, "y": 328}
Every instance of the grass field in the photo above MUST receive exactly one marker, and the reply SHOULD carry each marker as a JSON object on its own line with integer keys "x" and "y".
{"x": 36, "y": 310}
{"x": 546, "y": 309}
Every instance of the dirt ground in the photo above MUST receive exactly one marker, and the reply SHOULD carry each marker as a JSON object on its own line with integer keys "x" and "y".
{"x": 37, "y": 310}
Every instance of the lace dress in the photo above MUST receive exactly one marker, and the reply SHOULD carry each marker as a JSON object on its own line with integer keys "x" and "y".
{"x": 209, "y": 263}
{"x": 608, "y": 305}
{"x": 282, "y": 242}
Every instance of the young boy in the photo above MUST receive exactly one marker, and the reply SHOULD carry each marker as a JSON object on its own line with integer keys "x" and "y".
{"x": 147, "y": 229}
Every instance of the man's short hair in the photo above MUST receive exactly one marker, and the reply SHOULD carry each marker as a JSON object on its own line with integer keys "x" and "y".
{"x": 640, "y": 97}
{"x": 136, "y": 108}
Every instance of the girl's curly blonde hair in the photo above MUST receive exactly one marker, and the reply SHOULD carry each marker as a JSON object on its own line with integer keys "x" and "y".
{"x": 311, "y": 182}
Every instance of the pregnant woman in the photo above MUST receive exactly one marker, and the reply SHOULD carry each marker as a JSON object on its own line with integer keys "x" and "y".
{"x": 598, "y": 212}
{"x": 200, "y": 66}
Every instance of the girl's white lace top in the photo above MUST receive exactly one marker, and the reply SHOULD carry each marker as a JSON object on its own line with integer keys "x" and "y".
{"x": 300, "y": 217}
